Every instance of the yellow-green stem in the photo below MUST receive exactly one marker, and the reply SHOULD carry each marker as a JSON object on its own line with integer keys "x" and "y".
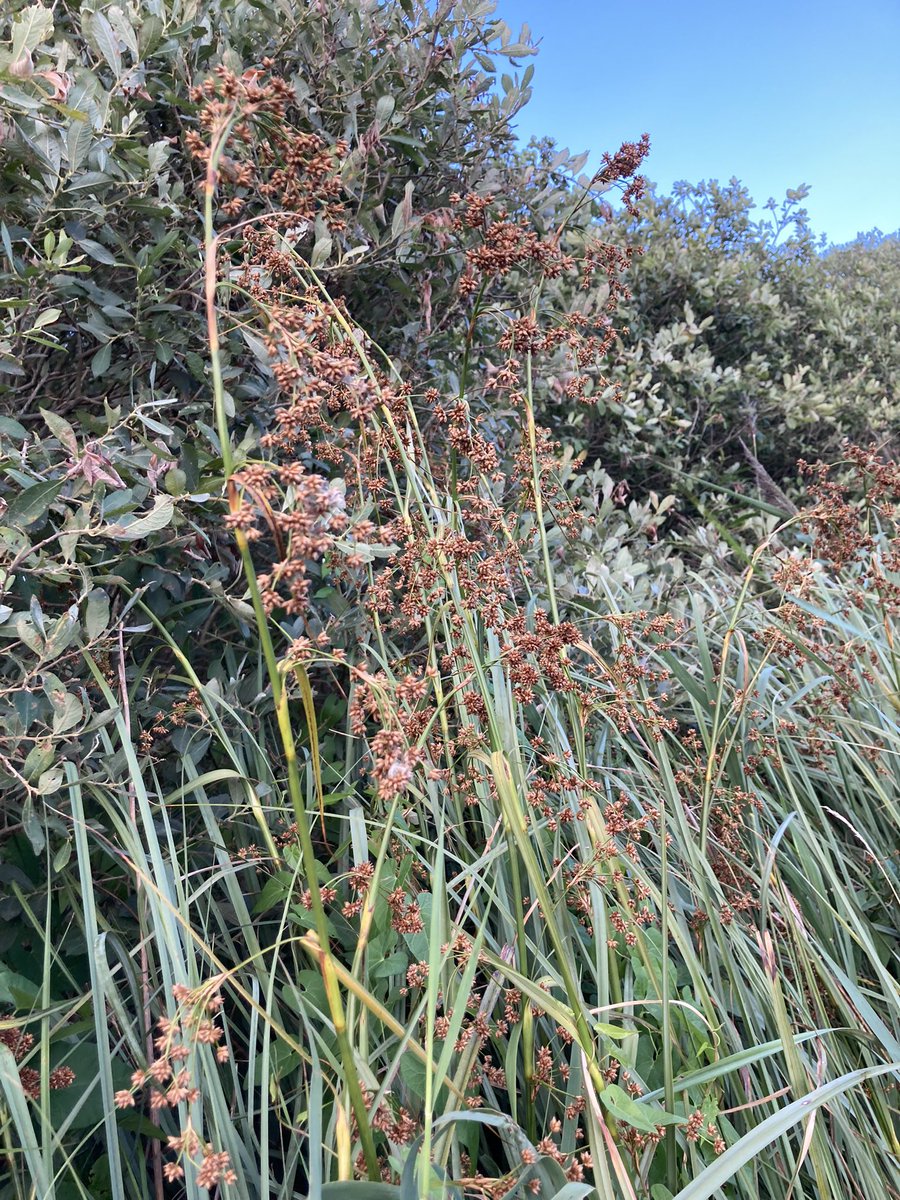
{"x": 279, "y": 694}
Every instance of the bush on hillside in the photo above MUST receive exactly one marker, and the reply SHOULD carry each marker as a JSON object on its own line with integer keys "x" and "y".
{"x": 747, "y": 343}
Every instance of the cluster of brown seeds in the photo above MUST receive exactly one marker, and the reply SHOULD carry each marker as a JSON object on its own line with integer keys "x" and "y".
{"x": 166, "y": 1083}
{"x": 20, "y": 1044}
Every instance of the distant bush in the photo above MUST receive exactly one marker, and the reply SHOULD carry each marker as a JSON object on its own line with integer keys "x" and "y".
{"x": 746, "y": 340}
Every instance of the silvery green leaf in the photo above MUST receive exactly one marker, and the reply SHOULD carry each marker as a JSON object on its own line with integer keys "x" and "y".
{"x": 32, "y": 26}
{"x": 157, "y": 518}
{"x": 102, "y": 35}
{"x": 66, "y": 713}
{"x": 384, "y": 109}
{"x": 321, "y": 251}
{"x": 123, "y": 28}
{"x": 96, "y": 613}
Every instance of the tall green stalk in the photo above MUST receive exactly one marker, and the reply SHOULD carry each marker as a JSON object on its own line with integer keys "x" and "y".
{"x": 276, "y": 681}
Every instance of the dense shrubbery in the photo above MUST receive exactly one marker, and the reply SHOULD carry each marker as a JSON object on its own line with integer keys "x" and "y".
{"x": 386, "y": 794}
{"x": 743, "y": 333}
{"x": 747, "y": 342}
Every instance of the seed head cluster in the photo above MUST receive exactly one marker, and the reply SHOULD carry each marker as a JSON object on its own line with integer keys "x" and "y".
{"x": 169, "y": 1083}
{"x": 21, "y": 1044}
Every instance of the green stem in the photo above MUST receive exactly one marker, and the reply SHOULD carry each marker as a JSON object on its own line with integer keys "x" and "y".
{"x": 279, "y": 693}
{"x": 536, "y": 487}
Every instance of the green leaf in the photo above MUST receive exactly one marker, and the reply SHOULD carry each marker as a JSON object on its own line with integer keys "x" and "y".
{"x": 616, "y": 1032}
{"x": 79, "y": 139}
{"x": 641, "y": 1116}
{"x": 12, "y": 428}
{"x": 32, "y": 26}
{"x": 16, "y": 991}
{"x": 28, "y": 635}
{"x": 734, "y": 1062}
{"x": 39, "y": 757}
{"x": 34, "y": 830}
{"x": 48, "y": 317}
{"x": 100, "y": 361}
{"x": 97, "y": 251}
{"x": 157, "y": 518}
{"x": 123, "y": 28}
{"x": 384, "y": 109}
{"x": 96, "y": 613}
{"x": 61, "y": 430}
{"x": 63, "y": 631}
{"x": 66, "y": 713}
{"x": 394, "y": 964}
{"x": 49, "y": 782}
{"x": 33, "y": 503}
{"x": 62, "y": 856}
{"x": 275, "y": 891}
{"x": 20, "y": 1116}
{"x": 321, "y": 251}
{"x": 102, "y": 36}
{"x": 151, "y": 34}
{"x": 83, "y": 1097}
{"x": 360, "y": 1190}
{"x": 412, "y": 1072}
{"x": 754, "y": 1143}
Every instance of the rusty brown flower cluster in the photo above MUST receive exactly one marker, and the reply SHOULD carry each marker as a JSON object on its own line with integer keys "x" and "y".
{"x": 167, "y": 1081}
{"x": 623, "y": 167}
{"x": 292, "y": 171}
{"x": 20, "y": 1044}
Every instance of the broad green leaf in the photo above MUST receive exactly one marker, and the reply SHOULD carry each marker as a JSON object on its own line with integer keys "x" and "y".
{"x": 63, "y": 631}
{"x": 124, "y": 30}
{"x": 157, "y": 518}
{"x": 37, "y": 760}
{"x": 32, "y": 26}
{"x": 100, "y": 361}
{"x": 62, "y": 856}
{"x": 321, "y": 251}
{"x": 49, "y": 782}
{"x": 97, "y": 251}
{"x": 34, "y": 829}
{"x": 102, "y": 35}
{"x": 616, "y": 1032}
{"x": 96, "y": 613}
{"x": 384, "y": 109}
{"x": 79, "y": 139}
{"x": 61, "y": 430}
{"x": 48, "y": 317}
{"x": 11, "y": 428}
{"x": 28, "y": 634}
{"x": 67, "y": 713}
{"x": 32, "y": 503}
{"x": 641, "y": 1116}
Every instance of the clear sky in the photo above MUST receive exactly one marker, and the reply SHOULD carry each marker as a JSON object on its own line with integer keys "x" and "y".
{"x": 776, "y": 92}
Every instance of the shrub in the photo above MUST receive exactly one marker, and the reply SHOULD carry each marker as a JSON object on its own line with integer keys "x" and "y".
{"x": 748, "y": 343}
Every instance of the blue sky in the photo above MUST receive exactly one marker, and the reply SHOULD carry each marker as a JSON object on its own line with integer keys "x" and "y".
{"x": 776, "y": 93}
